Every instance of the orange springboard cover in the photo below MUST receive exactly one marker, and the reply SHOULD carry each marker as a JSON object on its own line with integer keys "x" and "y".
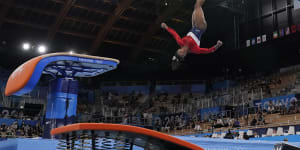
{"x": 124, "y": 128}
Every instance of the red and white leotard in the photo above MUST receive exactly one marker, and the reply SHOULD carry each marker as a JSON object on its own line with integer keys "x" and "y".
{"x": 191, "y": 41}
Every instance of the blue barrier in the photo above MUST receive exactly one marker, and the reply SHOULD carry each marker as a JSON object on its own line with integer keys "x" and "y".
{"x": 11, "y": 121}
{"x": 223, "y": 85}
{"x": 175, "y": 89}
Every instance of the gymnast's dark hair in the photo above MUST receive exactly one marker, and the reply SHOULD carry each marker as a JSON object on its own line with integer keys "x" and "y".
{"x": 180, "y": 58}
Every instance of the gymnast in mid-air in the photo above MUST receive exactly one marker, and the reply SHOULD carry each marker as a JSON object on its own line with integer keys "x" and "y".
{"x": 191, "y": 42}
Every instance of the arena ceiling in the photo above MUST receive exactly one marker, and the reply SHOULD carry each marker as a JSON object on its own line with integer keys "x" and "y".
{"x": 128, "y": 30}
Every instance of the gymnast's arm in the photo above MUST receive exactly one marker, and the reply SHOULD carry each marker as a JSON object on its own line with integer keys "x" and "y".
{"x": 173, "y": 33}
{"x": 199, "y": 50}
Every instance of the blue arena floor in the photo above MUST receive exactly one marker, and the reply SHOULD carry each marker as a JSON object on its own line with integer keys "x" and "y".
{"x": 207, "y": 143}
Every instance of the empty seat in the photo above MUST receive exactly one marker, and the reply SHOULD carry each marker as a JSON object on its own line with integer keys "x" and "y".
{"x": 291, "y": 130}
{"x": 269, "y": 132}
{"x": 241, "y": 135}
{"x": 250, "y": 132}
{"x": 279, "y": 131}
{"x": 223, "y": 135}
{"x": 214, "y": 135}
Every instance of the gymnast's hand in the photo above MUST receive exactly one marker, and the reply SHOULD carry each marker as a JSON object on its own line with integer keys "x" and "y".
{"x": 164, "y": 25}
{"x": 219, "y": 44}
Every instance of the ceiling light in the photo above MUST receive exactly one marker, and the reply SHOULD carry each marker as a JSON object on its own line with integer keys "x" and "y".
{"x": 26, "y": 46}
{"x": 42, "y": 49}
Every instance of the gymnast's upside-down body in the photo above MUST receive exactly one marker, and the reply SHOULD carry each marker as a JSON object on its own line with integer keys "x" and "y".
{"x": 191, "y": 42}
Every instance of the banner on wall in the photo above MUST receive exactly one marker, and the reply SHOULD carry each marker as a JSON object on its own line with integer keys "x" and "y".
{"x": 253, "y": 41}
{"x": 9, "y": 122}
{"x": 293, "y": 28}
{"x": 248, "y": 43}
{"x": 175, "y": 89}
{"x": 264, "y": 38}
{"x": 10, "y": 111}
{"x": 171, "y": 117}
{"x": 258, "y": 39}
{"x": 296, "y": 4}
{"x": 287, "y": 31}
{"x": 275, "y": 34}
{"x": 223, "y": 85}
{"x": 198, "y": 88}
{"x": 287, "y": 101}
{"x": 281, "y": 32}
